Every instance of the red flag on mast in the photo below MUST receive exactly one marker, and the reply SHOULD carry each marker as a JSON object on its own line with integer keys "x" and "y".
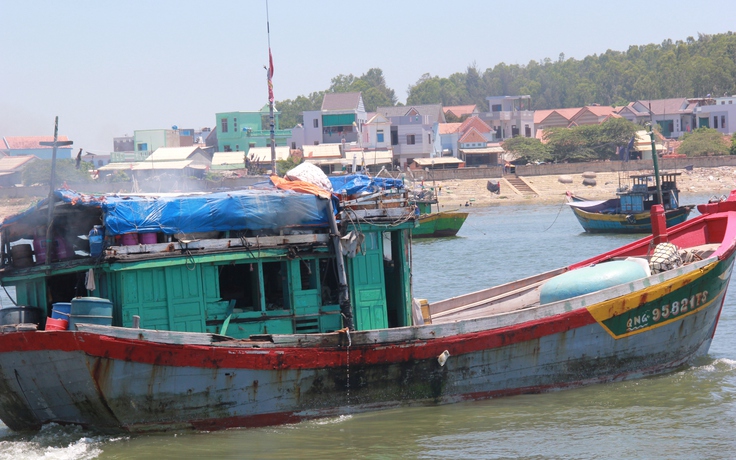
{"x": 270, "y": 76}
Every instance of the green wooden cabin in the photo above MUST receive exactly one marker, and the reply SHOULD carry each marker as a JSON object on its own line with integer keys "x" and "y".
{"x": 232, "y": 285}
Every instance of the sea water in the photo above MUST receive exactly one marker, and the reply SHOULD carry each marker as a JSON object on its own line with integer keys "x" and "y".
{"x": 686, "y": 414}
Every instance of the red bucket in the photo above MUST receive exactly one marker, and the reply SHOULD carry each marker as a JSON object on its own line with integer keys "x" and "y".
{"x": 53, "y": 324}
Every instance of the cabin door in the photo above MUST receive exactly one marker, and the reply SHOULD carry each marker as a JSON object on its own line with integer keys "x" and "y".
{"x": 367, "y": 285}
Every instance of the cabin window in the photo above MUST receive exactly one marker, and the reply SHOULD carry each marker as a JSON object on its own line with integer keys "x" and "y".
{"x": 379, "y": 135}
{"x": 226, "y": 148}
{"x": 274, "y": 279}
{"x": 316, "y": 123}
{"x": 241, "y": 283}
{"x": 223, "y": 125}
{"x": 308, "y": 274}
{"x": 410, "y": 139}
{"x": 142, "y": 147}
{"x": 496, "y": 108}
{"x": 715, "y": 122}
{"x": 329, "y": 282}
{"x": 235, "y": 124}
{"x": 387, "y": 248}
{"x": 723, "y": 121}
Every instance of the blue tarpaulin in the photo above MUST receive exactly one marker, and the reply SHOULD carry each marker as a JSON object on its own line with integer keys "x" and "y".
{"x": 234, "y": 210}
{"x": 358, "y": 183}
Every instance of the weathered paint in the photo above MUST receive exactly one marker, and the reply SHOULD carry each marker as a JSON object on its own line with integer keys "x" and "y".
{"x": 120, "y": 384}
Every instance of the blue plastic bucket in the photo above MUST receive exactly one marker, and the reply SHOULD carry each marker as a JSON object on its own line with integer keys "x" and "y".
{"x": 90, "y": 310}
{"x": 61, "y": 310}
{"x": 85, "y": 306}
{"x": 96, "y": 240}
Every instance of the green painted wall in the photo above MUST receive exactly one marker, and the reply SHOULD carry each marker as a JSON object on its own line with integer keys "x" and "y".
{"x": 238, "y": 138}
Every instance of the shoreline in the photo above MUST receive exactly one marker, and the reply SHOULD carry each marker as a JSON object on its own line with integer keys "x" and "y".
{"x": 453, "y": 194}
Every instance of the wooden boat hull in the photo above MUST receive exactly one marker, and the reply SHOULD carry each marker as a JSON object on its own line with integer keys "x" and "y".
{"x": 439, "y": 224}
{"x": 594, "y": 222}
{"x": 135, "y": 380}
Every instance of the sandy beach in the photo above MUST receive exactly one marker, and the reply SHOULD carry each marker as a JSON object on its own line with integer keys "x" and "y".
{"x": 455, "y": 193}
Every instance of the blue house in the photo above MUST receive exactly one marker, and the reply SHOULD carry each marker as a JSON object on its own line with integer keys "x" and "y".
{"x": 31, "y": 145}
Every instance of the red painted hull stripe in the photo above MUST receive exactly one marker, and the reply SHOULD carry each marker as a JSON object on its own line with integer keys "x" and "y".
{"x": 280, "y": 358}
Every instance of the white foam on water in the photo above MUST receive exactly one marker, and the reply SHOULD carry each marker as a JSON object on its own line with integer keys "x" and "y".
{"x": 333, "y": 420}
{"x": 719, "y": 364}
{"x": 52, "y": 442}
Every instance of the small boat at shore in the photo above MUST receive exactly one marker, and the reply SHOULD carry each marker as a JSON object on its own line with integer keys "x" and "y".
{"x": 434, "y": 223}
{"x": 270, "y": 306}
{"x": 629, "y": 212}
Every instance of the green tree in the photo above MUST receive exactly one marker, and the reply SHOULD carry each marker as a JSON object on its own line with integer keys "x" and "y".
{"x": 290, "y": 111}
{"x": 613, "y": 133}
{"x": 527, "y": 149}
{"x": 732, "y": 150}
{"x": 695, "y": 67}
{"x": 371, "y": 85}
{"x": 66, "y": 171}
{"x": 568, "y": 145}
{"x": 283, "y": 166}
{"x": 703, "y": 142}
{"x": 427, "y": 90}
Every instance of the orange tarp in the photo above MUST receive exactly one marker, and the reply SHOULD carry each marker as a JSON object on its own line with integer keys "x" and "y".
{"x": 300, "y": 186}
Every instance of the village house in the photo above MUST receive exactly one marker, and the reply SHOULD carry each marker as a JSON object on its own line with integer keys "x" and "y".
{"x": 31, "y": 145}
{"x": 241, "y": 131}
{"x": 510, "y": 116}
{"x": 12, "y": 167}
{"x": 414, "y": 131}
{"x": 720, "y": 115}
{"x": 675, "y": 116}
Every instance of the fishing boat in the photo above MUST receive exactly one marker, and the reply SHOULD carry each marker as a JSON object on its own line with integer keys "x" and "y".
{"x": 629, "y": 212}
{"x": 270, "y": 306}
{"x": 434, "y": 223}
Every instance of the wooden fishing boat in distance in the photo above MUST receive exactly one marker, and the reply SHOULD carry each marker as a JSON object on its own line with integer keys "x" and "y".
{"x": 243, "y": 329}
{"x": 436, "y": 223}
{"x": 629, "y": 212}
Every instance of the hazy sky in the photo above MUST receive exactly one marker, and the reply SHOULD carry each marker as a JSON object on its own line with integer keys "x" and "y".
{"x": 107, "y": 68}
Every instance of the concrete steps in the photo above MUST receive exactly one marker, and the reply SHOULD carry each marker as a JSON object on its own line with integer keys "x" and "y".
{"x": 520, "y": 185}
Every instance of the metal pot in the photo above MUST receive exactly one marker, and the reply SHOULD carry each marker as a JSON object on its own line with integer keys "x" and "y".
{"x": 19, "y": 315}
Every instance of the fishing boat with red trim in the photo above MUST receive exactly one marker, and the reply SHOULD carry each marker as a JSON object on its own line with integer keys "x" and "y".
{"x": 265, "y": 306}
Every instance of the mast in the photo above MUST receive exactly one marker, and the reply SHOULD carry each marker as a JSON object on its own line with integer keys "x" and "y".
{"x": 656, "y": 167}
{"x": 654, "y": 155}
{"x": 269, "y": 72}
{"x": 52, "y": 183}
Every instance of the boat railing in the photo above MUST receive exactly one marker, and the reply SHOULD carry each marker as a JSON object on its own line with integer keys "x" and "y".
{"x": 383, "y": 204}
